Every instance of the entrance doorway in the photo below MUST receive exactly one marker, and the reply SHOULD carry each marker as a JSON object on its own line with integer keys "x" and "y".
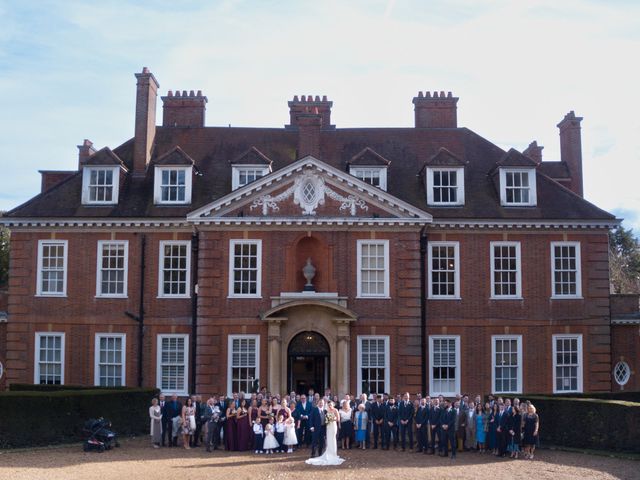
{"x": 308, "y": 365}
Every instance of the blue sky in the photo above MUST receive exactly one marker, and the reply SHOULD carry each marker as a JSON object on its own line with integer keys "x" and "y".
{"x": 66, "y": 73}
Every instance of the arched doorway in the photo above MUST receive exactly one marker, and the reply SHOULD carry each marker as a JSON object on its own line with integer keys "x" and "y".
{"x": 308, "y": 363}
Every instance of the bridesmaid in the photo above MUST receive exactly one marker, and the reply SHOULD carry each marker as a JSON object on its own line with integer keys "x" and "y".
{"x": 253, "y": 416}
{"x": 263, "y": 412}
{"x": 243, "y": 427}
{"x": 231, "y": 427}
{"x": 275, "y": 407}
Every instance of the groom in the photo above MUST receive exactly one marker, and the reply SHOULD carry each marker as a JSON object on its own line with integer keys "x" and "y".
{"x": 318, "y": 428}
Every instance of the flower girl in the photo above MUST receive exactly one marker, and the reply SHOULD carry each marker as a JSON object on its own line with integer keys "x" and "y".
{"x": 258, "y": 435}
{"x": 290, "y": 438}
{"x": 270, "y": 442}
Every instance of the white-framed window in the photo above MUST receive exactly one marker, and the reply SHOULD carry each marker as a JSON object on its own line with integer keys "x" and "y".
{"x": 245, "y": 174}
{"x": 567, "y": 363}
{"x": 373, "y": 364}
{"x": 172, "y": 370}
{"x": 52, "y": 268}
{"x": 100, "y": 185}
{"x": 110, "y": 359}
{"x": 445, "y": 186}
{"x": 172, "y": 185}
{"x": 48, "y": 366}
{"x": 444, "y": 269}
{"x": 175, "y": 268}
{"x": 506, "y": 275}
{"x": 245, "y": 268}
{"x": 373, "y": 268}
{"x": 566, "y": 281}
{"x": 444, "y": 360}
{"x": 243, "y": 362}
{"x": 506, "y": 374}
{"x": 112, "y": 266}
{"x": 518, "y": 187}
{"x": 376, "y": 176}
{"x": 621, "y": 373}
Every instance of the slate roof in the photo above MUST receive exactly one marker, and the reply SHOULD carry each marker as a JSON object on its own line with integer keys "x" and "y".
{"x": 213, "y": 149}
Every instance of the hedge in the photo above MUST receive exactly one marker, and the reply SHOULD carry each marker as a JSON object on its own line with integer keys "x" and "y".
{"x": 627, "y": 396}
{"x": 589, "y": 423}
{"x": 52, "y": 417}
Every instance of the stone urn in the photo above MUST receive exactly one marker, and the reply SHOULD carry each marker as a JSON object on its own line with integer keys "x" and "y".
{"x": 309, "y": 271}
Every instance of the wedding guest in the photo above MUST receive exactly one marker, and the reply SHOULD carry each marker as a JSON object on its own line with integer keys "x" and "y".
{"x": 253, "y": 417}
{"x": 317, "y": 427}
{"x": 270, "y": 444}
{"x": 501, "y": 430}
{"x": 244, "y": 430}
{"x": 390, "y": 425}
{"x": 361, "y": 423}
{"x": 448, "y": 421}
{"x": 231, "y": 427}
{"x": 514, "y": 424}
{"x": 155, "y": 413}
{"x": 377, "y": 412}
{"x": 188, "y": 423}
{"x": 279, "y": 430}
{"x": 531, "y": 426}
{"x": 493, "y": 425}
{"x": 470, "y": 428}
{"x": 275, "y": 407}
{"x": 166, "y": 421}
{"x": 290, "y": 433}
{"x": 173, "y": 411}
{"x": 346, "y": 424}
{"x": 213, "y": 421}
{"x": 422, "y": 424}
{"x": 304, "y": 412}
{"x": 199, "y": 413}
{"x": 405, "y": 415}
{"x": 263, "y": 412}
{"x": 481, "y": 419}
{"x": 435, "y": 424}
{"x": 258, "y": 437}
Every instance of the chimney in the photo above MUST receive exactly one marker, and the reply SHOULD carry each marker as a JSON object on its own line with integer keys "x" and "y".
{"x": 534, "y": 152}
{"x": 145, "y": 123}
{"x": 182, "y": 110}
{"x": 437, "y": 111}
{"x": 309, "y": 104}
{"x": 309, "y": 125}
{"x": 571, "y": 149}
{"x": 84, "y": 152}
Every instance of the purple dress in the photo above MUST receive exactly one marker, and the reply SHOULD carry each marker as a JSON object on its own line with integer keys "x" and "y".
{"x": 231, "y": 434}
{"x": 244, "y": 432}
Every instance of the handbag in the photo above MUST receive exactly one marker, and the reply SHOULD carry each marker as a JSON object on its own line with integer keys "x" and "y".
{"x": 192, "y": 422}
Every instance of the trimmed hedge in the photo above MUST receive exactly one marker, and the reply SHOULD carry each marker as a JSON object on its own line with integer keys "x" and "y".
{"x": 50, "y": 417}
{"x": 590, "y": 423}
{"x": 619, "y": 395}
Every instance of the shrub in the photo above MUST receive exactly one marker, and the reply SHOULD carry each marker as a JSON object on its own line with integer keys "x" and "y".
{"x": 31, "y": 418}
{"x": 588, "y": 422}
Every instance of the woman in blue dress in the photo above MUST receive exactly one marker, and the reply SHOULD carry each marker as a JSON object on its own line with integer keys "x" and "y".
{"x": 481, "y": 418}
{"x": 493, "y": 425}
{"x": 361, "y": 426}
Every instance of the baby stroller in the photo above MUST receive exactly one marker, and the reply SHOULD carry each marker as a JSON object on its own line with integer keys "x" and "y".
{"x": 98, "y": 435}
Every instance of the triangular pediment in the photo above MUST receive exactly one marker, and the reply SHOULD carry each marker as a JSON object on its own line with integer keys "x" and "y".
{"x": 104, "y": 156}
{"x": 175, "y": 156}
{"x": 369, "y": 157}
{"x": 253, "y": 156}
{"x": 309, "y": 191}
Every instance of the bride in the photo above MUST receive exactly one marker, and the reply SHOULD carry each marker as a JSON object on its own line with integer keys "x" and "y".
{"x": 330, "y": 455}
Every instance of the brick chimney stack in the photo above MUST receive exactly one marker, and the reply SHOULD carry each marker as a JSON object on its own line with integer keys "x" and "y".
{"x": 534, "y": 152}
{"x": 145, "y": 122}
{"x": 307, "y": 104}
{"x": 437, "y": 111}
{"x": 84, "y": 152}
{"x": 571, "y": 149}
{"x": 182, "y": 110}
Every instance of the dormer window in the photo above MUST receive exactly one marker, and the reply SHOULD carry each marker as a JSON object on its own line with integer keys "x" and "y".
{"x": 445, "y": 186}
{"x": 518, "y": 186}
{"x": 100, "y": 185}
{"x": 376, "y": 176}
{"x": 172, "y": 185}
{"x": 245, "y": 174}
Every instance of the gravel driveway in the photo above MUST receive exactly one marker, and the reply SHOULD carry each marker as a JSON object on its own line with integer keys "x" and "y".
{"x": 136, "y": 460}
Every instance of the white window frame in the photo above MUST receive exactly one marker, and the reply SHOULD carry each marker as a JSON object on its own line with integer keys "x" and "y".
{"x": 627, "y": 370}
{"x": 578, "y": 293}
{"x": 157, "y": 185}
{"x": 99, "y": 293}
{"x": 236, "y": 169}
{"x": 36, "y": 355}
{"x": 387, "y": 361}
{"x": 96, "y": 357}
{"x": 115, "y": 186}
{"x": 41, "y": 244}
{"x": 381, "y": 171}
{"x": 532, "y": 187}
{"x": 459, "y": 186}
{"x": 518, "y": 294}
{"x": 160, "y": 336}
{"x": 518, "y": 339}
{"x": 579, "y": 366}
{"x": 161, "y": 293}
{"x": 432, "y": 391}
{"x": 456, "y": 253}
{"x": 359, "y": 244}
{"x": 230, "y": 340}
{"x": 232, "y": 244}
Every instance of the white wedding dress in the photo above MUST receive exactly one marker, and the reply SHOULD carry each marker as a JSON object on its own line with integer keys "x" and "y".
{"x": 330, "y": 455}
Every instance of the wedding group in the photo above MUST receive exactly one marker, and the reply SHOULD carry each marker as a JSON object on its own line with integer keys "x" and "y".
{"x": 269, "y": 424}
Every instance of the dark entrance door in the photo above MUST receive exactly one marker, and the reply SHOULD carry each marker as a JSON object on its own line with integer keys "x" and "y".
{"x": 308, "y": 365}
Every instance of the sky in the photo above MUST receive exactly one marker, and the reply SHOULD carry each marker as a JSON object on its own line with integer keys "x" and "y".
{"x": 67, "y": 73}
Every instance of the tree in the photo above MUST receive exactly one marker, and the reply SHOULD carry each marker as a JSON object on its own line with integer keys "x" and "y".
{"x": 624, "y": 261}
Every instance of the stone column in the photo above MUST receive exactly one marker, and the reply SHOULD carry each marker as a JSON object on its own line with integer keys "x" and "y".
{"x": 274, "y": 357}
{"x": 343, "y": 367}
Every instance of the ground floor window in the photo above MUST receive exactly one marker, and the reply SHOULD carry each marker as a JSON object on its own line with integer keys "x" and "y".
{"x": 110, "y": 359}
{"x": 49, "y": 359}
{"x": 172, "y": 363}
{"x": 567, "y": 363}
{"x": 507, "y": 363}
{"x": 243, "y": 362}
{"x": 444, "y": 360}
{"x": 373, "y": 364}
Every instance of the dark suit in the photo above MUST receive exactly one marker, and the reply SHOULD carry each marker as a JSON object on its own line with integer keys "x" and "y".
{"x": 166, "y": 422}
{"x": 435, "y": 424}
{"x": 422, "y": 419}
{"x": 405, "y": 413}
{"x": 502, "y": 435}
{"x": 317, "y": 422}
{"x": 376, "y": 414}
{"x": 390, "y": 426}
{"x": 213, "y": 417}
{"x": 449, "y": 418}
{"x": 172, "y": 409}
{"x": 303, "y": 433}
